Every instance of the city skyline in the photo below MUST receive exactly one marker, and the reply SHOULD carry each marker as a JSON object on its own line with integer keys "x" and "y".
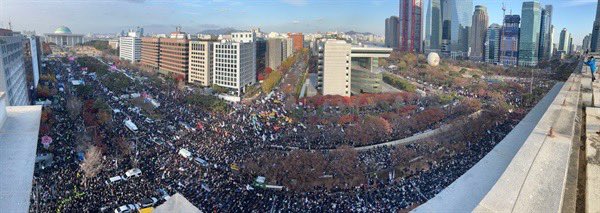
{"x": 270, "y": 15}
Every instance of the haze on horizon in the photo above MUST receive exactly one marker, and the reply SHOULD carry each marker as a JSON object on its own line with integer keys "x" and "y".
{"x": 161, "y": 16}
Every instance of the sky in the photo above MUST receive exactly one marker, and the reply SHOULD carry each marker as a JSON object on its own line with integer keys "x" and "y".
{"x": 161, "y": 16}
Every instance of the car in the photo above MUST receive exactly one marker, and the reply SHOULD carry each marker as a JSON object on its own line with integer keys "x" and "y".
{"x": 148, "y": 202}
{"x": 129, "y": 208}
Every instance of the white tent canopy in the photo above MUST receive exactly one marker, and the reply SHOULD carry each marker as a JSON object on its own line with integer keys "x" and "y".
{"x": 177, "y": 204}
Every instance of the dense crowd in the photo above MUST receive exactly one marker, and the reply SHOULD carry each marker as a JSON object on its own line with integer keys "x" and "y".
{"x": 223, "y": 141}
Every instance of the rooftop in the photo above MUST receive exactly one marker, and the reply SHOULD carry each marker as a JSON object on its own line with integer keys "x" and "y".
{"x": 62, "y": 30}
{"x": 19, "y": 127}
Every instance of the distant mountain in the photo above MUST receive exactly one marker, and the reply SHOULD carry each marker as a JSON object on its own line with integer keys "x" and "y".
{"x": 356, "y": 33}
{"x": 220, "y": 31}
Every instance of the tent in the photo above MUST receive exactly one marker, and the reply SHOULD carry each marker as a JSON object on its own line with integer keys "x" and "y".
{"x": 177, "y": 204}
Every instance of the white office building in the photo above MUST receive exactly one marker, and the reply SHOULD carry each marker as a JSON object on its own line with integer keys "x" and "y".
{"x": 289, "y": 47}
{"x": 243, "y": 37}
{"x": 344, "y": 69}
{"x": 130, "y": 48}
{"x": 334, "y": 68}
{"x": 234, "y": 65}
{"x": 200, "y": 63}
{"x": 12, "y": 68}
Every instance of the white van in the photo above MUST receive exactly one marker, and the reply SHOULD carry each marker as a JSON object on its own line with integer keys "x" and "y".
{"x": 185, "y": 153}
{"x": 133, "y": 172}
{"x": 115, "y": 179}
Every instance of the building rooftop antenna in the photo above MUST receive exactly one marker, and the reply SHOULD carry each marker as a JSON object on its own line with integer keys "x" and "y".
{"x": 503, "y": 10}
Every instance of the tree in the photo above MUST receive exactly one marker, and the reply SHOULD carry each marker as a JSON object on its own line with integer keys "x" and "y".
{"x": 103, "y": 117}
{"x": 92, "y": 164}
{"x": 344, "y": 165}
{"x": 124, "y": 146}
{"x": 271, "y": 81}
{"x": 74, "y": 107}
{"x": 219, "y": 89}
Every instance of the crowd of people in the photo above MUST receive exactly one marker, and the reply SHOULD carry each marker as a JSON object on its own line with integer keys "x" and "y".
{"x": 214, "y": 177}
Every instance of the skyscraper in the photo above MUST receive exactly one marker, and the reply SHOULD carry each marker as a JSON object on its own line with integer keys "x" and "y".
{"x": 391, "y": 32}
{"x": 571, "y": 46}
{"x": 586, "y": 42}
{"x": 529, "y": 38}
{"x": 551, "y": 44}
{"x": 434, "y": 26}
{"x": 563, "y": 41}
{"x": 410, "y": 25}
{"x": 460, "y": 16}
{"x": 492, "y": 43}
{"x": 509, "y": 41}
{"x": 545, "y": 46}
{"x": 596, "y": 31}
{"x": 446, "y": 26}
{"x": 478, "y": 32}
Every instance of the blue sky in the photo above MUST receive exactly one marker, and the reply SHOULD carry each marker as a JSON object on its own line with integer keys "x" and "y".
{"x": 84, "y": 16}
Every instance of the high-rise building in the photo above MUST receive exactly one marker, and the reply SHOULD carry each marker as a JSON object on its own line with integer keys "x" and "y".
{"x": 173, "y": 55}
{"x": 130, "y": 48}
{"x": 509, "y": 40}
{"x": 243, "y": 37}
{"x": 234, "y": 65}
{"x": 595, "y": 43}
{"x": 150, "y": 53}
{"x": 288, "y": 47}
{"x": 12, "y": 66}
{"x": 260, "y": 45}
{"x": 529, "y": 38}
{"x": 551, "y": 47}
{"x": 200, "y": 62}
{"x": 545, "y": 49}
{"x": 427, "y": 24}
{"x": 478, "y": 32}
{"x": 275, "y": 53}
{"x": 586, "y": 42}
{"x": 571, "y": 46}
{"x": 492, "y": 43}
{"x": 344, "y": 69}
{"x": 391, "y": 32}
{"x": 334, "y": 68}
{"x": 461, "y": 12}
{"x": 434, "y": 26}
{"x": 410, "y": 25}
{"x": 33, "y": 58}
{"x": 563, "y": 42}
{"x": 297, "y": 41}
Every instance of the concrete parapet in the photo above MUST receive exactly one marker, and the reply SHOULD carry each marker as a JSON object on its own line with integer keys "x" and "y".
{"x": 535, "y": 179}
{"x": 586, "y": 86}
{"x": 527, "y": 170}
{"x": 592, "y": 146}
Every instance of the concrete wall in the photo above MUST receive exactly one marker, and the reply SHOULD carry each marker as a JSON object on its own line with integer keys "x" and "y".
{"x": 527, "y": 171}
